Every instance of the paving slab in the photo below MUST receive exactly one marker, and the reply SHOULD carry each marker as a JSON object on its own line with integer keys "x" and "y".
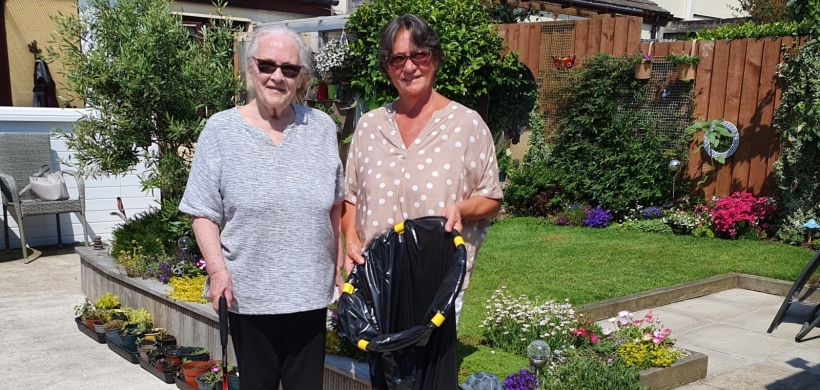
{"x": 757, "y": 376}
{"x": 747, "y": 298}
{"x": 737, "y": 342}
{"x": 719, "y": 362}
{"x": 709, "y": 308}
{"x": 803, "y": 358}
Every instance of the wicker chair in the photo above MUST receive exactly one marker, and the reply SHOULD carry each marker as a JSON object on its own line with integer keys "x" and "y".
{"x": 21, "y": 155}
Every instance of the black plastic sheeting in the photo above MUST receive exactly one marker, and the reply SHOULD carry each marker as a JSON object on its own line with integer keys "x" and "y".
{"x": 392, "y": 301}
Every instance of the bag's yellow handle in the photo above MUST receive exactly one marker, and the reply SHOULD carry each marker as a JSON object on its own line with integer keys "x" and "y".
{"x": 399, "y": 228}
{"x": 362, "y": 344}
{"x": 458, "y": 241}
{"x": 347, "y": 288}
{"x": 437, "y": 319}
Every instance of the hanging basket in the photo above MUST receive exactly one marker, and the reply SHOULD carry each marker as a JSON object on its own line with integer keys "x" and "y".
{"x": 643, "y": 70}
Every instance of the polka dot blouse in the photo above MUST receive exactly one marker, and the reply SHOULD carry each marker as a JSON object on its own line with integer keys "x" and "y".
{"x": 451, "y": 160}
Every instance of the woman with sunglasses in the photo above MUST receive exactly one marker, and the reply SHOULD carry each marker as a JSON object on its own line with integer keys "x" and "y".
{"x": 269, "y": 175}
{"x": 419, "y": 156}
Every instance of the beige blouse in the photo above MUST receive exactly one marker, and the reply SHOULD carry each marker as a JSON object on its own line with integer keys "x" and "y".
{"x": 451, "y": 160}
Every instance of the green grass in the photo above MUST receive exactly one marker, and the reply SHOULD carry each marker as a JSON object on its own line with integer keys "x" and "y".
{"x": 589, "y": 265}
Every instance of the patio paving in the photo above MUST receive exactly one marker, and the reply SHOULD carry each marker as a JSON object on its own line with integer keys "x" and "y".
{"x": 42, "y": 347}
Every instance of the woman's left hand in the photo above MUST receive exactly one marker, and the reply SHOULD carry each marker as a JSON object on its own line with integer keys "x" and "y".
{"x": 453, "y": 215}
{"x": 340, "y": 282}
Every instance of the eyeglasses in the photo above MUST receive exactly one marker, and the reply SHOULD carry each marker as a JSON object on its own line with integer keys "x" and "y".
{"x": 419, "y": 58}
{"x": 288, "y": 70}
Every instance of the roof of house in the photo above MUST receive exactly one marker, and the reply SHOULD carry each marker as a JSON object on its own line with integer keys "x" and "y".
{"x": 622, "y": 7}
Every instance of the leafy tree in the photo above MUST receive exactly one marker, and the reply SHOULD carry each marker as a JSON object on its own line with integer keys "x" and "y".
{"x": 504, "y": 12}
{"x": 763, "y": 11}
{"x": 473, "y": 65}
{"x": 152, "y": 86}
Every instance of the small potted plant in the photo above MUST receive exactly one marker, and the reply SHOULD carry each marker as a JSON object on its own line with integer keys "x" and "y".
{"x": 82, "y": 311}
{"x": 165, "y": 339}
{"x": 96, "y": 319}
{"x": 144, "y": 346}
{"x": 112, "y": 331}
{"x": 191, "y": 369}
{"x": 643, "y": 66}
{"x": 107, "y": 301}
{"x": 329, "y": 62}
{"x": 685, "y": 64}
{"x": 209, "y": 379}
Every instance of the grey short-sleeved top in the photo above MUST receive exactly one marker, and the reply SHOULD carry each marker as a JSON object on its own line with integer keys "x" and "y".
{"x": 273, "y": 203}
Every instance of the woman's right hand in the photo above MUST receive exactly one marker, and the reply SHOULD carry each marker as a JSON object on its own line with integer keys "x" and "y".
{"x": 353, "y": 255}
{"x": 220, "y": 285}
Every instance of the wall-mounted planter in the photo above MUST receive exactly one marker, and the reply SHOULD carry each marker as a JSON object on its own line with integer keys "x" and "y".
{"x": 685, "y": 72}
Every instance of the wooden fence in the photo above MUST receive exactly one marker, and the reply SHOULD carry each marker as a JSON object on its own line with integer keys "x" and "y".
{"x": 735, "y": 80}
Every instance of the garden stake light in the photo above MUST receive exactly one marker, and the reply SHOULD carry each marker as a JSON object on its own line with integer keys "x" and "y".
{"x": 539, "y": 354}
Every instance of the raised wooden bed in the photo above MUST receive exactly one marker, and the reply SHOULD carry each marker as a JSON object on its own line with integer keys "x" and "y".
{"x": 198, "y": 325}
{"x": 193, "y": 324}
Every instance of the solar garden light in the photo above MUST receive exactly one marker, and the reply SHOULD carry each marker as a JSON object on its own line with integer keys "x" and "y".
{"x": 674, "y": 167}
{"x": 184, "y": 242}
{"x": 539, "y": 354}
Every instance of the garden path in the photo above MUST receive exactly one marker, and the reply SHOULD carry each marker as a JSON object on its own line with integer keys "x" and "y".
{"x": 41, "y": 346}
{"x": 730, "y": 327}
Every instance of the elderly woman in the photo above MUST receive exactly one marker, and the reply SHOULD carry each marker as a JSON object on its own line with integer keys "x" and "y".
{"x": 421, "y": 155}
{"x": 268, "y": 173}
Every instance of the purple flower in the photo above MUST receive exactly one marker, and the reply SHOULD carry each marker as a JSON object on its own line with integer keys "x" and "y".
{"x": 598, "y": 218}
{"x": 522, "y": 380}
{"x": 651, "y": 212}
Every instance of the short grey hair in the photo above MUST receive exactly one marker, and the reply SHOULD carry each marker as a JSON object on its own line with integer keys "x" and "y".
{"x": 304, "y": 56}
{"x": 421, "y": 34}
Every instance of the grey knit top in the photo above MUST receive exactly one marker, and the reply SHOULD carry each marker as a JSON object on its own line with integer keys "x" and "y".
{"x": 273, "y": 204}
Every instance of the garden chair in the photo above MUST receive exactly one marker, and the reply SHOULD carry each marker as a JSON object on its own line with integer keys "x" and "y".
{"x": 21, "y": 155}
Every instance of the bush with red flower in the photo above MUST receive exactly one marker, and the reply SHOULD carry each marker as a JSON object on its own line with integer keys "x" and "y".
{"x": 740, "y": 214}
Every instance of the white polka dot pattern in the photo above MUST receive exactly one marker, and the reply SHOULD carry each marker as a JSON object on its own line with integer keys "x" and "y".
{"x": 448, "y": 162}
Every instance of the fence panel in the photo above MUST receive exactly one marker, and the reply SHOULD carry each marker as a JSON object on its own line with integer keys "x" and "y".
{"x": 735, "y": 80}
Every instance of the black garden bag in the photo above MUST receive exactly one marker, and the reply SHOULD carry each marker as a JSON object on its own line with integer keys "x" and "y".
{"x": 399, "y": 305}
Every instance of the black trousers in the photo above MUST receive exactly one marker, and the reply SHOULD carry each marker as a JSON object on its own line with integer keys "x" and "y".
{"x": 283, "y": 347}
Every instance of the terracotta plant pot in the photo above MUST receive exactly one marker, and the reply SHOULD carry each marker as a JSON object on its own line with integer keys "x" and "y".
{"x": 685, "y": 71}
{"x": 643, "y": 70}
{"x": 172, "y": 354}
{"x": 190, "y": 371}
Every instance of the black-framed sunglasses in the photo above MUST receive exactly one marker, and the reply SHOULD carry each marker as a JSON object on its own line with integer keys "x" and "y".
{"x": 288, "y": 70}
{"x": 418, "y": 58}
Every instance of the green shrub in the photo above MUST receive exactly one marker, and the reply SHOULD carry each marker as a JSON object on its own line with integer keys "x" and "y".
{"x": 703, "y": 231}
{"x": 473, "y": 65}
{"x": 147, "y": 230}
{"x": 606, "y": 151}
{"x": 532, "y": 192}
{"x": 588, "y": 372}
{"x": 646, "y": 226}
{"x": 751, "y": 30}
{"x": 798, "y": 120}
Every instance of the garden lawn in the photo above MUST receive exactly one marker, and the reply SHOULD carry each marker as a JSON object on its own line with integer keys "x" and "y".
{"x": 588, "y": 265}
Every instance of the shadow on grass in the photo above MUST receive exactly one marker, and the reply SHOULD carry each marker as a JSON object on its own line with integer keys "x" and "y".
{"x": 463, "y": 351}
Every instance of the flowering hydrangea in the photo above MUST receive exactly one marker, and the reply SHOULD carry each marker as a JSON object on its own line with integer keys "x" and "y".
{"x": 741, "y": 211}
{"x": 598, "y": 218}
{"x": 522, "y": 380}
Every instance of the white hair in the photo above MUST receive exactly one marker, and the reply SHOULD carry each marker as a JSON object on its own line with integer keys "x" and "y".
{"x": 304, "y": 57}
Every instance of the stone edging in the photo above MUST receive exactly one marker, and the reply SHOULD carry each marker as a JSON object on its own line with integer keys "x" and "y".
{"x": 698, "y": 288}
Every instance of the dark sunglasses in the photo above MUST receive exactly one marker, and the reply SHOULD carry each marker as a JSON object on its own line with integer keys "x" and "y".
{"x": 420, "y": 58}
{"x": 288, "y": 70}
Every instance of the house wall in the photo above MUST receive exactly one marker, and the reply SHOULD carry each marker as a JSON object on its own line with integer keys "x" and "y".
{"x": 26, "y": 21}
{"x": 699, "y": 9}
{"x": 257, "y": 16}
{"x": 101, "y": 193}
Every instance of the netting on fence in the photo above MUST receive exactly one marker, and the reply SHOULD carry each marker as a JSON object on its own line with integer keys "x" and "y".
{"x": 667, "y": 105}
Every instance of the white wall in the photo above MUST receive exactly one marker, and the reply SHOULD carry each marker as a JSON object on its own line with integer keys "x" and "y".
{"x": 699, "y": 9}
{"x": 101, "y": 194}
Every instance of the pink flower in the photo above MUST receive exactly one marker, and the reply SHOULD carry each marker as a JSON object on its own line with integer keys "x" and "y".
{"x": 648, "y": 317}
{"x": 593, "y": 338}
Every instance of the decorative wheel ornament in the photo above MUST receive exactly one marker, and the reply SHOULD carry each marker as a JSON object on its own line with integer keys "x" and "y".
{"x": 735, "y": 140}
